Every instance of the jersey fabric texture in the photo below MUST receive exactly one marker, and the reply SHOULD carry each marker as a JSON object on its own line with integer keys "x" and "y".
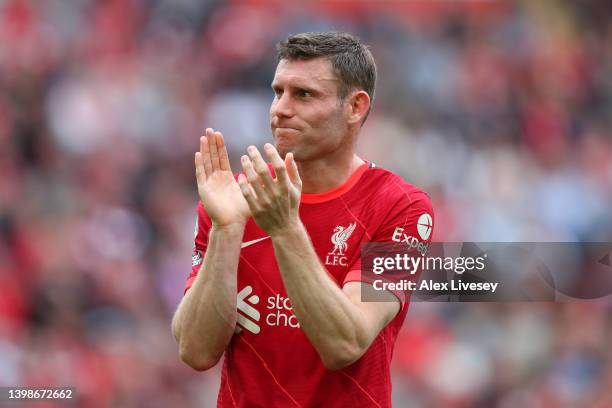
{"x": 270, "y": 362}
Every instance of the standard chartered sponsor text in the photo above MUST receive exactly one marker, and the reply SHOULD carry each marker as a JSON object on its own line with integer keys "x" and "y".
{"x": 281, "y": 312}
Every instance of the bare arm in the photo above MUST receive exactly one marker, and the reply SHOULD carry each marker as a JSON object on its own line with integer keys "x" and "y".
{"x": 206, "y": 317}
{"x": 338, "y": 324}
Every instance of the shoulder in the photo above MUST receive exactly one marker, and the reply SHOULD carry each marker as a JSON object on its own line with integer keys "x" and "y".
{"x": 392, "y": 189}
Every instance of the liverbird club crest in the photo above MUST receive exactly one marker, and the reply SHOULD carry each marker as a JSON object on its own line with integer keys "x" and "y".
{"x": 337, "y": 255}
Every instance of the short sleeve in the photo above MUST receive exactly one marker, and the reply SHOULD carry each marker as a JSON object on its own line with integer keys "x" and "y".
{"x": 408, "y": 225}
{"x": 201, "y": 230}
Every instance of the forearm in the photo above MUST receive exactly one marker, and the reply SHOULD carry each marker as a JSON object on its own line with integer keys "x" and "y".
{"x": 206, "y": 317}
{"x": 326, "y": 315}
{"x": 334, "y": 324}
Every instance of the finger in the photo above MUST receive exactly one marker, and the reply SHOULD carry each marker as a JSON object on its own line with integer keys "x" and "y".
{"x": 279, "y": 165}
{"x": 223, "y": 157}
{"x": 214, "y": 151}
{"x": 261, "y": 168}
{"x": 252, "y": 177}
{"x": 199, "y": 168}
{"x": 292, "y": 170}
{"x": 248, "y": 193}
{"x": 205, "y": 153}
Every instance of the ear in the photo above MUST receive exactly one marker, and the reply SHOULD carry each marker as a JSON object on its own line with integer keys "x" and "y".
{"x": 358, "y": 103}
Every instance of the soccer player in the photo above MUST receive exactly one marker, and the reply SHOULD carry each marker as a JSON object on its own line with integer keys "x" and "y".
{"x": 276, "y": 282}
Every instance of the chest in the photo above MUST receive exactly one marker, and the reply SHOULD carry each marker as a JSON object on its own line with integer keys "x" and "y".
{"x": 336, "y": 233}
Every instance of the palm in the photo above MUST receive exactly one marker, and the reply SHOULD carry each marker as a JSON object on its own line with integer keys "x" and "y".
{"x": 218, "y": 190}
{"x": 222, "y": 198}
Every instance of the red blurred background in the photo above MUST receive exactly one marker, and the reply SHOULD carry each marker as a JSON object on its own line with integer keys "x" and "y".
{"x": 502, "y": 110}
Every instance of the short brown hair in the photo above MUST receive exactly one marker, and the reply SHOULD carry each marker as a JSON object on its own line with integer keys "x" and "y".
{"x": 351, "y": 60}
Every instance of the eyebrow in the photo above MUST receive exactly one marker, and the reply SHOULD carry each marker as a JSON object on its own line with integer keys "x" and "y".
{"x": 297, "y": 86}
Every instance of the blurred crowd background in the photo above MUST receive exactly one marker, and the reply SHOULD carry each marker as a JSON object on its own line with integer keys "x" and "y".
{"x": 501, "y": 110}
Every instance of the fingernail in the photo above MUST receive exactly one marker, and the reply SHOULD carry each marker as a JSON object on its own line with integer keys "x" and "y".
{"x": 268, "y": 146}
{"x": 244, "y": 158}
{"x": 251, "y": 149}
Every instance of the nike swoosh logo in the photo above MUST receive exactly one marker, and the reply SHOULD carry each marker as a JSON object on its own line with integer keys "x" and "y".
{"x": 249, "y": 243}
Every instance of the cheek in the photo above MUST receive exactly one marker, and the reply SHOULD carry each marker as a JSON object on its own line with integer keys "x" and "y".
{"x": 336, "y": 125}
{"x": 331, "y": 116}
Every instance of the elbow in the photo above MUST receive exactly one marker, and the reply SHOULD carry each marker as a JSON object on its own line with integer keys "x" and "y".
{"x": 336, "y": 364}
{"x": 187, "y": 355}
{"x": 196, "y": 359}
{"x": 198, "y": 362}
{"x": 342, "y": 356}
{"x": 191, "y": 353}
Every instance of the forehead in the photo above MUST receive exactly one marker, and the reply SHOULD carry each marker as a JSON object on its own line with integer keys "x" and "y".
{"x": 312, "y": 72}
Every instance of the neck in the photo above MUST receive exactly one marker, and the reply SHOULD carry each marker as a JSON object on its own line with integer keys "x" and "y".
{"x": 319, "y": 176}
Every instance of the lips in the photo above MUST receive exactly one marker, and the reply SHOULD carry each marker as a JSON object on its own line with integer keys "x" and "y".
{"x": 283, "y": 126}
{"x": 275, "y": 123}
{"x": 285, "y": 131}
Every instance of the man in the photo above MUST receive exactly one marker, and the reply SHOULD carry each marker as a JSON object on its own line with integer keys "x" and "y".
{"x": 276, "y": 278}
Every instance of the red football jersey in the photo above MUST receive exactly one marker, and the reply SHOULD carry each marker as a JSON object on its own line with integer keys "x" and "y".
{"x": 270, "y": 362}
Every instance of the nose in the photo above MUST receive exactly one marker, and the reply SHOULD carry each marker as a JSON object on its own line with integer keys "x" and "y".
{"x": 282, "y": 106}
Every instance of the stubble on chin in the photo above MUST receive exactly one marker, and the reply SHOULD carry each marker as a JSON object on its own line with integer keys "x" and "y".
{"x": 282, "y": 151}
{"x": 281, "y": 147}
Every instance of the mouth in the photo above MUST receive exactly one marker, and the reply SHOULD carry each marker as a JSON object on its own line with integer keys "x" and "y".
{"x": 279, "y": 131}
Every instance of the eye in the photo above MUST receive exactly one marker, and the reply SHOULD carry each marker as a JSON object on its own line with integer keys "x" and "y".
{"x": 304, "y": 93}
{"x": 277, "y": 92}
